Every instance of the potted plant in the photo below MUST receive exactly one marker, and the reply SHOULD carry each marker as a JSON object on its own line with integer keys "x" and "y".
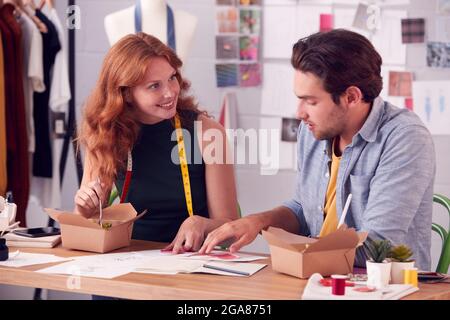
{"x": 378, "y": 267}
{"x": 400, "y": 256}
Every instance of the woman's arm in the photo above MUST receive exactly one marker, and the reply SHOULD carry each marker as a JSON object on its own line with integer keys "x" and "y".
{"x": 219, "y": 173}
{"x": 87, "y": 197}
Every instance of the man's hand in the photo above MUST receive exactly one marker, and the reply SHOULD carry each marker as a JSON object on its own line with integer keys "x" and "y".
{"x": 242, "y": 231}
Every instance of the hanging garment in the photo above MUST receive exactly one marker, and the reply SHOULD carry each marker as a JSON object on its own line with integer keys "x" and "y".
{"x": 33, "y": 76}
{"x": 42, "y": 158}
{"x": 16, "y": 130}
{"x": 3, "y": 171}
{"x": 48, "y": 191}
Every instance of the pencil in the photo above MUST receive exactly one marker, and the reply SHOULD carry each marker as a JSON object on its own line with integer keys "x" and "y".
{"x": 226, "y": 270}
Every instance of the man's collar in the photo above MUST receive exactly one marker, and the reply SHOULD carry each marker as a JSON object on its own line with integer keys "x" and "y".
{"x": 370, "y": 127}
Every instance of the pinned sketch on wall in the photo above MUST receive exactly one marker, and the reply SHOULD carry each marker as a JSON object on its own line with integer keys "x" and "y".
{"x": 250, "y": 75}
{"x": 248, "y": 47}
{"x": 443, "y": 6}
{"x": 432, "y": 104}
{"x": 227, "y": 47}
{"x": 277, "y": 95}
{"x": 227, "y": 75}
{"x": 249, "y": 21}
{"x": 400, "y": 83}
{"x": 289, "y": 128}
{"x": 361, "y": 17}
{"x": 279, "y": 31}
{"x": 438, "y": 54}
{"x": 413, "y": 30}
{"x": 227, "y": 20}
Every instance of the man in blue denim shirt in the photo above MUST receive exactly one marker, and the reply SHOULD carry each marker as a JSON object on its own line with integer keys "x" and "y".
{"x": 385, "y": 155}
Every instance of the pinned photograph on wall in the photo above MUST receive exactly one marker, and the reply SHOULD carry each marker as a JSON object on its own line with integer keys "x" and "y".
{"x": 361, "y": 17}
{"x": 438, "y": 54}
{"x": 442, "y": 29}
{"x": 250, "y": 21}
{"x": 226, "y": 2}
{"x": 250, "y": 75}
{"x": 248, "y": 47}
{"x": 400, "y": 84}
{"x": 413, "y": 30}
{"x": 289, "y": 128}
{"x": 443, "y": 6}
{"x": 227, "y": 75}
{"x": 227, "y": 20}
{"x": 326, "y": 22}
{"x": 227, "y": 47}
{"x": 250, "y": 2}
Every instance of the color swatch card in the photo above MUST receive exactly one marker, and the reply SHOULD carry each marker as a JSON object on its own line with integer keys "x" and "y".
{"x": 227, "y": 75}
{"x": 227, "y": 47}
{"x": 227, "y": 20}
{"x": 250, "y": 75}
{"x": 249, "y": 21}
{"x": 400, "y": 83}
{"x": 248, "y": 47}
{"x": 438, "y": 54}
{"x": 413, "y": 30}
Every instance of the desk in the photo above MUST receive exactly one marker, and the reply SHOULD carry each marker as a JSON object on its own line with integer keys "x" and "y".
{"x": 265, "y": 284}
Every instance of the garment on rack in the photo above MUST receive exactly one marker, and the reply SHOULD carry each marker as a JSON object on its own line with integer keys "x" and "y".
{"x": 42, "y": 158}
{"x": 3, "y": 171}
{"x": 16, "y": 130}
{"x": 33, "y": 70}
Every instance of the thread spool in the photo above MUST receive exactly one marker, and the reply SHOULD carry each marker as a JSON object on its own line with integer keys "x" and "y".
{"x": 338, "y": 284}
{"x": 410, "y": 276}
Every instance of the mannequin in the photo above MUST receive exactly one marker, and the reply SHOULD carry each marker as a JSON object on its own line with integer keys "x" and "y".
{"x": 154, "y": 22}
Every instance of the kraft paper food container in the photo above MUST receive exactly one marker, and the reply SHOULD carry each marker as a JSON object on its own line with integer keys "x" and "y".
{"x": 303, "y": 256}
{"x": 85, "y": 234}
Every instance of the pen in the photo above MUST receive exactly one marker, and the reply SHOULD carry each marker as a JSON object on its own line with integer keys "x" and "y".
{"x": 344, "y": 213}
{"x": 208, "y": 266}
{"x": 101, "y": 209}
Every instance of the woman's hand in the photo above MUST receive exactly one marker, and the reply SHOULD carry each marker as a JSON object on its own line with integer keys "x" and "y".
{"x": 190, "y": 236}
{"x": 87, "y": 199}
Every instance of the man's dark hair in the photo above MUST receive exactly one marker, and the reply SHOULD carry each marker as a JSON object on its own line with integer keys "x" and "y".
{"x": 341, "y": 58}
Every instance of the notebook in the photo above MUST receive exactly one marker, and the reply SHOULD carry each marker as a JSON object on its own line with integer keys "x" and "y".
{"x": 15, "y": 240}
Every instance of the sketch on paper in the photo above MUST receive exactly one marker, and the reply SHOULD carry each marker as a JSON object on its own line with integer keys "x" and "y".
{"x": 432, "y": 105}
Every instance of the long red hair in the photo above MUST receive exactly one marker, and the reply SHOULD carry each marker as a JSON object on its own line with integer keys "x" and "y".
{"x": 109, "y": 128}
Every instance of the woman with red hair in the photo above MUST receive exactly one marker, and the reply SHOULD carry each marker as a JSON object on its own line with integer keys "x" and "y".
{"x": 139, "y": 128}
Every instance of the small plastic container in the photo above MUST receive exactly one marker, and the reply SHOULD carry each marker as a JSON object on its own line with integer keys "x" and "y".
{"x": 4, "y": 251}
{"x": 338, "y": 284}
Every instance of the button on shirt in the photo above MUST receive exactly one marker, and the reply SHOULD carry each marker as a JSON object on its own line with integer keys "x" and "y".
{"x": 389, "y": 168}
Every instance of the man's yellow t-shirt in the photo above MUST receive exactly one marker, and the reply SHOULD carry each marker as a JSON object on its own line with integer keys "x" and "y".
{"x": 330, "y": 223}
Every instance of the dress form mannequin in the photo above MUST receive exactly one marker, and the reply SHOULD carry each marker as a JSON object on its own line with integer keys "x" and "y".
{"x": 154, "y": 22}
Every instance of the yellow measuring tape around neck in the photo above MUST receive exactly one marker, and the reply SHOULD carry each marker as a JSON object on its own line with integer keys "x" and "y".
{"x": 183, "y": 166}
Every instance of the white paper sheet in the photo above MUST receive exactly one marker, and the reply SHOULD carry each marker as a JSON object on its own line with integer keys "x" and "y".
{"x": 217, "y": 255}
{"x": 19, "y": 259}
{"x": 277, "y": 95}
{"x": 388, "y": 39}
{"x": 431, "y": 100}
{"x": 279, "y": 31}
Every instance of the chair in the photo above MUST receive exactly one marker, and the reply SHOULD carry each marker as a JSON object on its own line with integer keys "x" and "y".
{"x": 444, "y": 259}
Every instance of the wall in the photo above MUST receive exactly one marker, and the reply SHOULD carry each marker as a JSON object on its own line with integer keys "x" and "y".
{"x": 255, "y": 192}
